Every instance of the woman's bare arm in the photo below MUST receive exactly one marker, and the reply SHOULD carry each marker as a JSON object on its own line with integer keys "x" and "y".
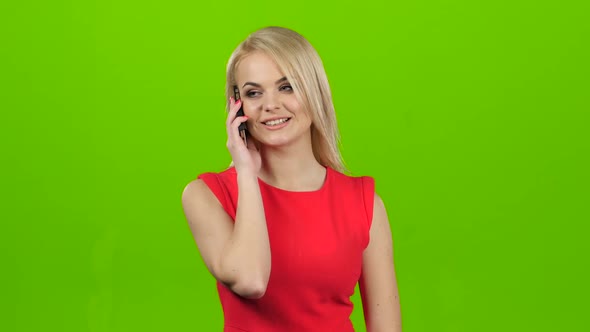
{"x": 237, "y": 254}
{"x": 378, "y": 284}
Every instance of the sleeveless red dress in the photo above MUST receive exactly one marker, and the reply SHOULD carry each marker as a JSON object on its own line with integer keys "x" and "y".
{"x": 316, "y": 239}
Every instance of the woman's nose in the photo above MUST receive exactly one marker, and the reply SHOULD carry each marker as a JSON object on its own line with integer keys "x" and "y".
{"x": 271, "y": 102}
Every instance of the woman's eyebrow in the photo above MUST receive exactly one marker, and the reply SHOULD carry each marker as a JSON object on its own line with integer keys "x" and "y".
{"x": 281, "y": 80}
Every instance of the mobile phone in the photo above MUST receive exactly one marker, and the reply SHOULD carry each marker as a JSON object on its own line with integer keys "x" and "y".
{"x": 242, "y": 128}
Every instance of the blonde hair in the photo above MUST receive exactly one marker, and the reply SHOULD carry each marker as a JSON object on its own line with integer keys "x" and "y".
{"x": 303, "y": 67}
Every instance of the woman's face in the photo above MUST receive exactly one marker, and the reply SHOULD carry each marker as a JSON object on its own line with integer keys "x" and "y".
{"x": 276, "y": 118}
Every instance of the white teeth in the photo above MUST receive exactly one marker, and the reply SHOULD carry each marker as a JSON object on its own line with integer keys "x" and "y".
{"x": 276, "y": 122}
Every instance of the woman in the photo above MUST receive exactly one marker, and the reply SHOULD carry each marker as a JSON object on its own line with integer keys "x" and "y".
{"x": 284, "y": 231}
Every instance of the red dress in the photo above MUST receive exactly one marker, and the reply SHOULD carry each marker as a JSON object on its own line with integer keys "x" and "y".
{"x": 316, "y": 239}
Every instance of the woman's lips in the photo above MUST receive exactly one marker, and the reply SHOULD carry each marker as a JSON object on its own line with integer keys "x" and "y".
{"x": 279, "y": 126}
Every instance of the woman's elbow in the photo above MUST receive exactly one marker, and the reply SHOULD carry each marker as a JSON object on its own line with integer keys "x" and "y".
{"x": 250, "y": 289}
{"x": 246, "y": 282}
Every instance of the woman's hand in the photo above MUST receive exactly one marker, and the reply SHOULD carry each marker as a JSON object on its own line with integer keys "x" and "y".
{"x": 246, "y": 158}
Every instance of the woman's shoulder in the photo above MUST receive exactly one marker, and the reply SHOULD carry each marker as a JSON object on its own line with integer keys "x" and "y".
{"x": 212, "y": 178}
{"x": 353, "y": 183}
{"x": 352, "y": 177}
{"x": 221, "y": 183}
{"x": 225, "y": 178}
{"x": 224, "y": 173}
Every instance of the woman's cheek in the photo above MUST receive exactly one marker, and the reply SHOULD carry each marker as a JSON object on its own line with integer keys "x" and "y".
{"x": 248, "y": 108}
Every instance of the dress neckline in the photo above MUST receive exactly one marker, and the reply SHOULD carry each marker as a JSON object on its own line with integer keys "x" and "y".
{"x": 322, "y": 188}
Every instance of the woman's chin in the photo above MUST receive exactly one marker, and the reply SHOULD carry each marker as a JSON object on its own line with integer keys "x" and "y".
{"x": 279, "y": 140}
{"x": 275, "y": 142}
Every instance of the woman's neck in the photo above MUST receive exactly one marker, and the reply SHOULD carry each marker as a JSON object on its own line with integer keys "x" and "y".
{"x": 291, "y": 168}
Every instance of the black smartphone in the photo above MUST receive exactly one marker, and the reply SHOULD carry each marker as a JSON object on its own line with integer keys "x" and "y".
{"x": 242, "y": 128}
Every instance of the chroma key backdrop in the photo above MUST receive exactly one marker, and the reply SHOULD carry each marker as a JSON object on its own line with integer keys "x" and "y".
{"x": 472, "y": 116}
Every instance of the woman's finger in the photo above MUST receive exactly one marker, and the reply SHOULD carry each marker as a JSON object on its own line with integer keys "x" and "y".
{"x": 233, "y": 110}
{"x": 231, "y": 114}
{"x": 234, "y": 134}
{"x": 237, "y": 122}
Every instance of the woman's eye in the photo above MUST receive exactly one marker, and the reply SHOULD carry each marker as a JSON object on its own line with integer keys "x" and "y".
{"x": 251, "y": 94}
{"x": 286, "y": 87}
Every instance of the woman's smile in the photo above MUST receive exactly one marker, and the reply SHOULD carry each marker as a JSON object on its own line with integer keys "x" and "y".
{"x": 276, "y": 124}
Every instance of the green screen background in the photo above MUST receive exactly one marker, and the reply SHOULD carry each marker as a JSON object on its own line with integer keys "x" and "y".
{"x": 472, "y": 117}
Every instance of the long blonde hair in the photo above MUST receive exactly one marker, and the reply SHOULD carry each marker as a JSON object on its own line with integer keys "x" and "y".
{"x": 304, "y": 69}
